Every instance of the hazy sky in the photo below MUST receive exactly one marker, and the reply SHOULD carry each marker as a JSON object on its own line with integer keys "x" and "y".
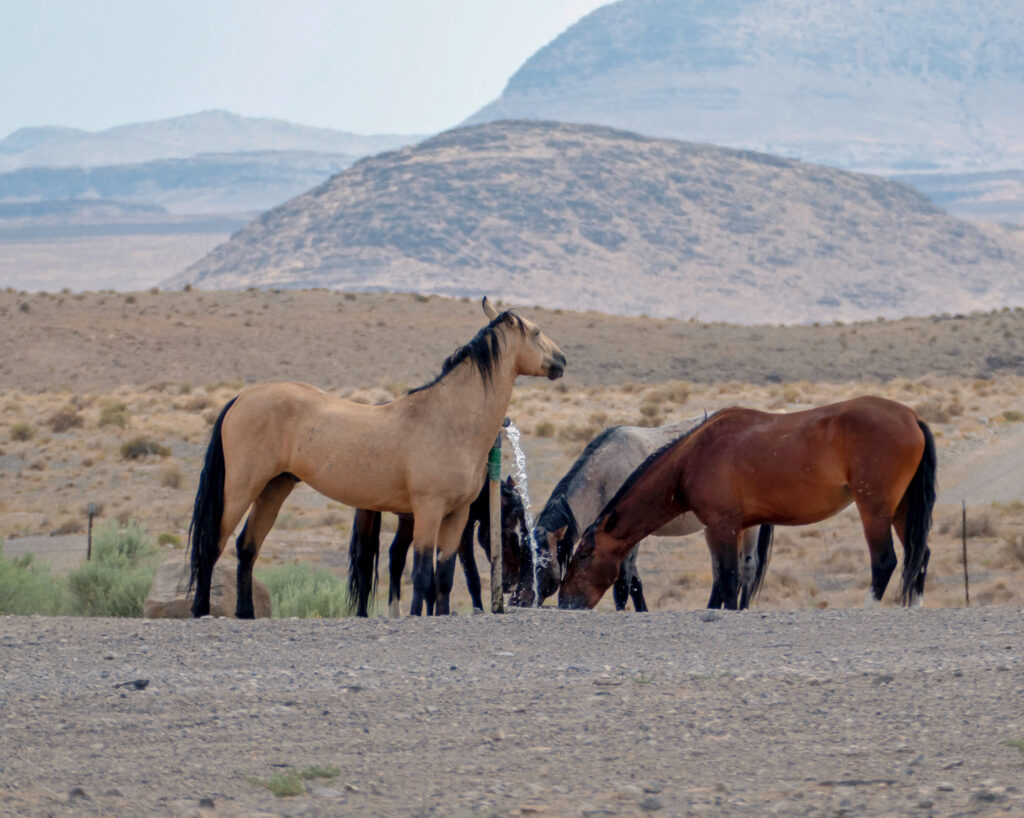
{"x": 368, "y": 66}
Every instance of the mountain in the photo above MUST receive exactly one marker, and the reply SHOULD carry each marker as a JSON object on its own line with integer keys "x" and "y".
{"x": 207, "y": 183}
{"x": 886, "y": 85}
{"x": 586, "y": 217}
{"x": 181, "y": 137}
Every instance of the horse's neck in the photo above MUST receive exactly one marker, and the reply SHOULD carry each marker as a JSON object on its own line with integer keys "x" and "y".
{"x": 463, "y": 404}
{"x": 605, "y": 471}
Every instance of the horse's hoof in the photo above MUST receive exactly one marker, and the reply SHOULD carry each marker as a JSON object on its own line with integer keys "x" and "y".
{"x": 394, "y": 611}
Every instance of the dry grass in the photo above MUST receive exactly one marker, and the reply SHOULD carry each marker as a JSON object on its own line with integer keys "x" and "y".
{"x": 826, "y": 564}
{"x": 617, "y": 375}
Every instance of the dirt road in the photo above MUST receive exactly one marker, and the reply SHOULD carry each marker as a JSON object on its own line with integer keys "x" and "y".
{"x": 533, "y": 713}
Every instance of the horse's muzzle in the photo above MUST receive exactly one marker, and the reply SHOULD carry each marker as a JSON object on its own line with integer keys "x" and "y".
{"x": 557, "y": 367}
{"x": 572, "y": 602}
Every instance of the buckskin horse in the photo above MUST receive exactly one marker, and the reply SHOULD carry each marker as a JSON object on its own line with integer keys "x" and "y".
{"x": 577, "y": 500}
{"x": 364, "y": 551}
{"x": 424, "y": 453}
{"x": 742, "y": 467}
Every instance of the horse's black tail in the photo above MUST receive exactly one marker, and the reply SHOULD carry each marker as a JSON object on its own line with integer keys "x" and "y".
{"x": 357, "y": 545}
{"x": 920, "y": 498}
{"x": 204, "y": 530}
{"x": 765, "y": 538}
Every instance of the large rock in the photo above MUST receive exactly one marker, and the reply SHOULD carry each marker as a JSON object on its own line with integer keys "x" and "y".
{"x": 168, "y": 597}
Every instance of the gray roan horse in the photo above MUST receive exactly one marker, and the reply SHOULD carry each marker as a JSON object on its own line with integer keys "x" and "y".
{"x": 577, "y": 500}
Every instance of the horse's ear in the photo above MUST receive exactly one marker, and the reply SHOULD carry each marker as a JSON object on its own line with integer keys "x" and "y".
{"x": 489, "y": 310}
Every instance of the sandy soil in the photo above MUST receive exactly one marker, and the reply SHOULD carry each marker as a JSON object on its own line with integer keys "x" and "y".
{"x": 537, "y": 713}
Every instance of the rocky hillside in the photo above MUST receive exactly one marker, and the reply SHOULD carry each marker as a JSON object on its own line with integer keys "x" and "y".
{"x": 586, "y": 217}
{"x": 877, "y": 84}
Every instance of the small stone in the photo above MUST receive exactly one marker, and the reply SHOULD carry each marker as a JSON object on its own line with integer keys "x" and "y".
{"x": 114, "y": 792}
{"x": 653, "y": 787}
{"x": 76, "y": 792}
{"x": 206, "y": 803}
{"x": 945, "y": 787}
{"x": 629, "y": 792}
{"x": 324, "y": 792}
{"x": 351, "y": 788}
{"x": 651, "y": 803}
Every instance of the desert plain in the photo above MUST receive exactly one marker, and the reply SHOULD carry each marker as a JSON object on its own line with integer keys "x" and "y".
{"x": 805, "y": 705}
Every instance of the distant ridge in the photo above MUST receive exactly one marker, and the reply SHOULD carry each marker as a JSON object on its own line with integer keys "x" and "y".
{"x": 181, "y": 137}
{"x": 894, "y": 85}
{"x": 586, "y": 217}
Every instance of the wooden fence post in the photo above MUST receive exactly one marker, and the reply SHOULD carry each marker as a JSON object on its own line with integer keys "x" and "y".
{"x": 963, "y": 534}
{"x": 494, "y": 478}
{"x": 88, "y": 544}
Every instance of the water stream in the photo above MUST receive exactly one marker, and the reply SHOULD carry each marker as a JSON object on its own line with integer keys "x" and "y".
{"x": 513, "y": 434}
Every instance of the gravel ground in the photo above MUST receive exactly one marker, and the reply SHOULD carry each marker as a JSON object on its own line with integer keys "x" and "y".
{"x": 837, "y": 712}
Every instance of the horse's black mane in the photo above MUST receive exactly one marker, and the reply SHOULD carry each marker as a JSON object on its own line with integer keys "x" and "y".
{"x": 649, "y": 461}
{"x": 556, "y": 512}
{"x": 482, "y": 352}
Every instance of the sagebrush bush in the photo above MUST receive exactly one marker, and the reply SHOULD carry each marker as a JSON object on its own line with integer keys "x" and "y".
{"x": 66, "y": 418}
{"x": 114, "y": 413}
{"x": 141, "y": 447}
{"x": 22, "y": 432}
{"x": 116, "y": 581}
{"x": 544, "y": 429}
{"x": 27, "y": 588}
{"x": 297, "y": 590}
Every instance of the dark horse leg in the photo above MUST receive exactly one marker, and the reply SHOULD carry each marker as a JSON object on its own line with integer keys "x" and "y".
{"x": 261, "y": 518}
{"x": 878, "y": 533}
{"x": 628, "y": 585}
{"x": 363, "y": 550}
{"x": 620, "y": 590}
{"x": 636, "y": 593}
{"x": 396, "y": 562}
{"x": 444, "y": 574}
{"x": 723, "y": 541}
{"x": 468, "y": 559}
{"x": 424, "y": 587}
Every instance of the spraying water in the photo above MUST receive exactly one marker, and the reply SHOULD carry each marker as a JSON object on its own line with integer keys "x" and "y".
{"x": 513, "y": 434}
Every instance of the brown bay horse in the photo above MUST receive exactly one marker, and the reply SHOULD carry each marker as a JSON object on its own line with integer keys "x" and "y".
{"x": 424, "y": 453}
{"x": 742, "y": 467}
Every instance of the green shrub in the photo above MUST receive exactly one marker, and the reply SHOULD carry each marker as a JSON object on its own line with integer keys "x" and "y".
{"x": 140, "y": 447}
{"x": 117, "y": 579}
{"x": 22, "y": 431}
{"x": 167, "y": 538}
{"x": 1013, "y": 416}
{"x": 27, "y": 588}
{"x": 114, "y": 412}
{"x": 297, "y": 590}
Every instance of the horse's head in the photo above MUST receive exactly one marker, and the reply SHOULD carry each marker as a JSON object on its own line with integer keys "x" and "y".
{"x": 537, "y": 354}
{"x": 548, "y": 552}
{"x": 513, "y": 531}
{"x": 592, "y": 569}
